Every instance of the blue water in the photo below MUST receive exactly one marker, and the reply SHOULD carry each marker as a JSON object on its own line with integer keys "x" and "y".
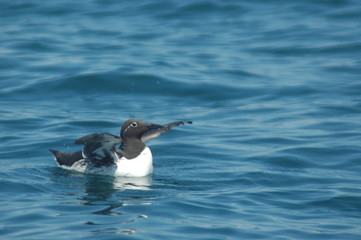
{"x": 273, "y": 88}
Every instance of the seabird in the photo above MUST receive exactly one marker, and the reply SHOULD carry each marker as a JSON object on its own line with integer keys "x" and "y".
{"x": 100, "y": 155}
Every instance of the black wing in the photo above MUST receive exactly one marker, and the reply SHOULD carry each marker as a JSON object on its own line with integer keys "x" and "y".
{"x": 95, "y": 137}
{"x": 92, "y": 142}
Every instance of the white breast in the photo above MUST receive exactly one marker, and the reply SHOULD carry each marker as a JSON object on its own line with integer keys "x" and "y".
{"x": 140, "y": 166}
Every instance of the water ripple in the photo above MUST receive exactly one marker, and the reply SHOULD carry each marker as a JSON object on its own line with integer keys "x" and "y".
{"x": 273, "y": 89}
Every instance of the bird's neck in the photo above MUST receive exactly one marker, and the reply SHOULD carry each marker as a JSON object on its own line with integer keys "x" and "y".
{"x": 132, "y": 147}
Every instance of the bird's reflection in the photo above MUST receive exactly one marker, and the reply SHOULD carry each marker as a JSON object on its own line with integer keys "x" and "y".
{"x": 103, "y": 187}
{"x": 106, "y": 190}
{"x": 107, "y": 196}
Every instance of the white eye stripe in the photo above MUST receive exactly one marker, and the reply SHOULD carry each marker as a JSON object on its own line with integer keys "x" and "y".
{"x": 133, "y": 125}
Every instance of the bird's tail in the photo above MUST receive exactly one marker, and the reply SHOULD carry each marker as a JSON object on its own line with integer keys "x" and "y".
{"x": 66, "y": 159}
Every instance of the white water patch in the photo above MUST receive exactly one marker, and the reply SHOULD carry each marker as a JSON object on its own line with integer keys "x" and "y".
{"x": 134, "y": 183}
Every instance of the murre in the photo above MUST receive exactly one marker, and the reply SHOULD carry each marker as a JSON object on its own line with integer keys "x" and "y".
{"x": 100, "y": 155}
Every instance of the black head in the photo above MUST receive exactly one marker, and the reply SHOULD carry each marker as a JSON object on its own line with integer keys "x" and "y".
{"x": 135, "y": 128}
{"x": 135, "y": 133}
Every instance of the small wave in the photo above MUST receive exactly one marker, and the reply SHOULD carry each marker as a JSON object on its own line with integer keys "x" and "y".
{"x": 119, "y": 86}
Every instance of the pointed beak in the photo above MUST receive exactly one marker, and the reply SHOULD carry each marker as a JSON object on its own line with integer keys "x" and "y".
{"x": 153, "y": 126}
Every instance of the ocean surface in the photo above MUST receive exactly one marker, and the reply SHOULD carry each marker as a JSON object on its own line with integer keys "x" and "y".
{"x": 273, "y": 88}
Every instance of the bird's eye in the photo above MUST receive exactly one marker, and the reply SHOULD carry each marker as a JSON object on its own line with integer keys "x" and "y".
{"x": 134, "y": 124}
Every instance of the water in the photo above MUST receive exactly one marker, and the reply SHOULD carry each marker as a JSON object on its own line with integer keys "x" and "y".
{"x": 273, "y": 88}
